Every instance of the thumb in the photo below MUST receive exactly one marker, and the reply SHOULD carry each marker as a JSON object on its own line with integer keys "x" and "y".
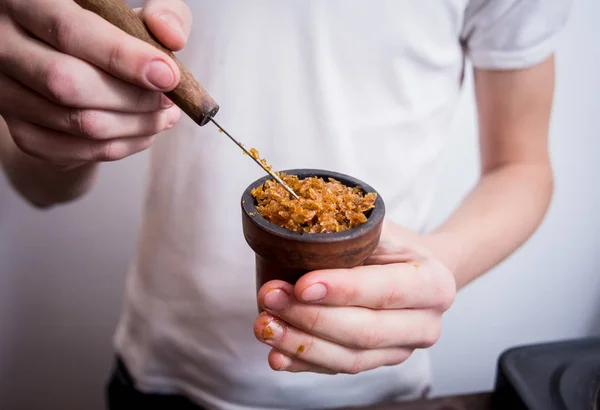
{"x": 397, "y": 244}
{"x": 170, "y": 21}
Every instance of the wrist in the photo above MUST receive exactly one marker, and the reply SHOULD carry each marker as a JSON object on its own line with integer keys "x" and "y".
{"x": 66, "y": 183}
{"x": 448, "y": 249}
{"x": 44, "y": 183}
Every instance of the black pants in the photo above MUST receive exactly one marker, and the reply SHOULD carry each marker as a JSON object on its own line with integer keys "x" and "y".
{"x": 122, "y": 394}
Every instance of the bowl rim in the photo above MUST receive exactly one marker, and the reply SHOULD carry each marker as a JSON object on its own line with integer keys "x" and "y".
{"x": 374, "y": 219}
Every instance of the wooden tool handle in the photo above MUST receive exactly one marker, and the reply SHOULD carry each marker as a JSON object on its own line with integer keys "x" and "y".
{"x": 189, "y": 95}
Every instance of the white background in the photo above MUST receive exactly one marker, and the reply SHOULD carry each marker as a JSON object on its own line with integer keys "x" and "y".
{"x": 62, "y": 272}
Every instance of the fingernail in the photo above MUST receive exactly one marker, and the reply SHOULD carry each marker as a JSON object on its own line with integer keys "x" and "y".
{"x": 272, "y": 331}
{"x": 173, "y": 22}
{"x": 166, "y": 102}
{"x": 160, "y": 75}
{"x": 276, "y": 299}
{"x": 286, "y": 362}
{"x": 314, "y": 292}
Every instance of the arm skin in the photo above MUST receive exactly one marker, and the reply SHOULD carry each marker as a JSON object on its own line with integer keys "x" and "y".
{"x": 500, "y": 214}
{"x": 516, "y": 185}
{"x": 40, "y": 182}
{"x": 353, "y": 320}
{"x": 66, "y": 107}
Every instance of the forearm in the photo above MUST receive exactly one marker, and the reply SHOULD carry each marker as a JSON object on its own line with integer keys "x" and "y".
{"x": 41, "y": 183}
{"x": 498, "y": 216}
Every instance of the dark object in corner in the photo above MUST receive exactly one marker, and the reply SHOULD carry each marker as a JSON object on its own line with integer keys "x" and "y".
{"x": 551, "y": 376}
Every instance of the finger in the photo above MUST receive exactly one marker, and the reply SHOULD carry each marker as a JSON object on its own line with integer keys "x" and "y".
{"x": 92, "y": 124}
{"x": 59, "y": 148}
{"x": 170, "y": 21}
{"x": 279, "y": 361}
{"x": 67, "y": 80}
{"x": 105, "y": 125}
{"x": 354, "y": 326}
{"x": 323, "y": 353}
{"x": 394, "y": 286}
{"x": 397, "y": 244}
{"x": 69, "y": 28}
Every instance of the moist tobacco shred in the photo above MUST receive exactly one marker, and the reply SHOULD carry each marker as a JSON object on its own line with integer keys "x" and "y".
{"x": 325, "y": 206}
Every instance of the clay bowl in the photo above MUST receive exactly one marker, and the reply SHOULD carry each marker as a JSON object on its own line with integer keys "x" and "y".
{"x": 287, "y": 255}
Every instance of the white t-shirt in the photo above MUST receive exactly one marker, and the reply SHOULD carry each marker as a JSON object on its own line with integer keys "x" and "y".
{"x": 363, "y": 88}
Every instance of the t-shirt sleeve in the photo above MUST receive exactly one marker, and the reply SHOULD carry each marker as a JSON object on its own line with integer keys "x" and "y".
{"x": 512, "y": 34}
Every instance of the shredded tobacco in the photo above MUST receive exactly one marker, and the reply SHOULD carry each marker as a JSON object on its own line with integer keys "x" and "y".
{"x": 254, "y": 153}
{"x": 322, "y": 207}
{"x": 268, "y": 333}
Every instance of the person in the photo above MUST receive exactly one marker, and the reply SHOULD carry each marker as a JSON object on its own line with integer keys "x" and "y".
{"x": 368, "y": 89}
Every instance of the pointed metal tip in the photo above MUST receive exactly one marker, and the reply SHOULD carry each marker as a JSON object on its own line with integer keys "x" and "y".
{"x": 268, "y": 171}
{"x": 286, "y": 186}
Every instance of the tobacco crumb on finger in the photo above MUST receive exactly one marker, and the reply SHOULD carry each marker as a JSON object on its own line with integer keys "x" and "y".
{"x": 268, "y": 333}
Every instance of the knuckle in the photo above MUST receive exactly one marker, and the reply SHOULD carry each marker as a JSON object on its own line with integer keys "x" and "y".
{"x": 431, "y": 334}
{"x": 445, "y": 291}
{"x": 115, "y": 57}
{"x": 357, "y": 365}
{"x": 61, "y": 30}
{"x": 114, "y": 150}
{"x": 107, "y": 151}
{"x": 370, "y": 338}
{"x": 146, "y": 143}
{"x": 351, "y": 295}
{"x": 314, "y": 322}
{"x": 390, "y": 299}
{"x": 159, "y": 122}
{"x": 86, "y": 123}
{"x": 447, "y": 300}
{"x": 60, "y": 83}
{"x": 398, "y": 356}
